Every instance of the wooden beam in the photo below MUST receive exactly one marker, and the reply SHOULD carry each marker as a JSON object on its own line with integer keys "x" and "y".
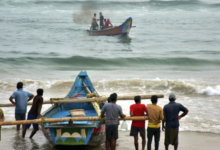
{"x": 43, "y": 120}
{"x": 83, "y": 100}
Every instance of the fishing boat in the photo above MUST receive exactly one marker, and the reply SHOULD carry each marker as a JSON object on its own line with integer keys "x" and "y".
{"x": 119, "y": 30}
{"x": 71, "y": 133}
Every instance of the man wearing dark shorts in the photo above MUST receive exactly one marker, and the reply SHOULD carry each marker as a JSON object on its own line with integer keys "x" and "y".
{"x": 138, "y": 109}
{"x": 112, "y": 111}
{"x": 21, "y": 98}
{"x": 171, "y": 118}
{"x": 34, "y": 112}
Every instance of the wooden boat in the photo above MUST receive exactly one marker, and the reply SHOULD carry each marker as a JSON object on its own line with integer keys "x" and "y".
{"x": 119, "y": 30}
{"x": 75, "y": 132}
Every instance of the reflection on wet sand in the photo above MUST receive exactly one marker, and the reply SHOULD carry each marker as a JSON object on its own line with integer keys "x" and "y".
{"x": 39, "y": 142}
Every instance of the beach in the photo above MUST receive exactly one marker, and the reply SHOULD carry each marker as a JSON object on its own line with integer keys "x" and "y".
{"x": 174, "y": 48}
{"x": 187, "y": 140}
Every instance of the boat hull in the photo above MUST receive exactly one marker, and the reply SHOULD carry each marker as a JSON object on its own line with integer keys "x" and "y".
{"x": 97, "y": 137}
{"x": 75, "y": 133}
{"x": 123, "y": 29}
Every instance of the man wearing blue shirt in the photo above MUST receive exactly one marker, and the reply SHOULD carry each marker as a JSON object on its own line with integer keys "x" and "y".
{"x": 21, "y": 98}
{"x": 171, "y": 118}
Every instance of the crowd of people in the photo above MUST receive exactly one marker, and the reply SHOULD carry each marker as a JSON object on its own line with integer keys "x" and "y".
{"x": 103, "y": 23}
{"x": 169, "y": 116}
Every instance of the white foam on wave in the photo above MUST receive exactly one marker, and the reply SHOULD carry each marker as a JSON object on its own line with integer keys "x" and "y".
{"x": 211, "y": 91}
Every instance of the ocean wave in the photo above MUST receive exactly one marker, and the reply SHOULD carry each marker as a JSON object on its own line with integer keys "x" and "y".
{"x": 209, "y": 90}
{"x": 160, "y": 3}
{"x": 122, "y": 86}
{"x": 134, "y": 63}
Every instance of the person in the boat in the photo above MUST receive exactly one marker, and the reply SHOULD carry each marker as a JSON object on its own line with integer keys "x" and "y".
{"x": 94, "y": 25}
{"x": 108, "y": 24}
{"x": 94, "y": 17}
{"x": 101, "y": 20}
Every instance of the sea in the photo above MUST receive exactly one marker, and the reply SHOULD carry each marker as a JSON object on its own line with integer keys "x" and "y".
{"x": 173, "y": 48}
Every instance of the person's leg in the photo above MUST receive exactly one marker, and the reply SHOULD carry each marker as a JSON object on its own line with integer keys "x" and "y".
{"x": 176, "y": 146}
{"x": 149, "y": 138}
{"x": 32, "y": 134}
{"x": 114, "y": 136}
{"x": 143, "y": 142}
{"x": 167, "y": 138}
{"x": 107, "y": 144}
{"x": 108, "y": 137}
{"x": 176, "y": 142}
{"x": 136, "y": 142}
{"x": 18, "y": 127}
{"x": 17, "y": 117}
{"x": 23, "y": 117}
{"x": 157, "y": 138}
{"x": 134, "y": 133}
{"x": 166, "y": 146}
{"x": 36, "y": 128}
{"x": 113, "y": 144}
{"x": 143, "y": 136}
{"x": 24, "y": 132}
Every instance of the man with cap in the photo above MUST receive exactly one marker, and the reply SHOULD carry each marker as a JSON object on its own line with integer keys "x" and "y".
{"x": 101, "y": 20}
{"x": 171, "y": 118}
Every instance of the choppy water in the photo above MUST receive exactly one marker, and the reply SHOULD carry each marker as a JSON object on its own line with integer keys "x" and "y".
{"x": 175, "y": 47}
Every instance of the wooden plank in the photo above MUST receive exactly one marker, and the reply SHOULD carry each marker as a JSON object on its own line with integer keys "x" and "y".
{"x": 43, "y": 120}
{"x": 84, "y": 100}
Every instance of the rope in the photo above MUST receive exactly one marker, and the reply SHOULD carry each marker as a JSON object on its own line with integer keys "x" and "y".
{"x": 51, "y": 100}
{"x": 42, "y": 120}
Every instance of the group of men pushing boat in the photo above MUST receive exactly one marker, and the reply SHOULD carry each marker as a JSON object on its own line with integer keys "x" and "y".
{"x": 103, "y": 23}
{"x": 169, "y": 116}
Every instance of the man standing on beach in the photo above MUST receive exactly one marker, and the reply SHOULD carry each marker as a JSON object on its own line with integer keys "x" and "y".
{"x": 171, "y": 117}
{"x": 34, "y": 112}
{"x": 112, "y": 111}
{"x": 155, "y": 114}
{"x": 138, "y": 109}
{"x": 21, "y": 98}
{"x": 2, "y": 118}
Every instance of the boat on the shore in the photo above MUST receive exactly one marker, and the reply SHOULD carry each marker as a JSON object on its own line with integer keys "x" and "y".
{"x": 72, "y": 133}
{"x": 123, "y": 29}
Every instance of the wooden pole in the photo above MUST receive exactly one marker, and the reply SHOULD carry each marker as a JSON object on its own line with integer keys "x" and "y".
{"x": 94, "y": 104}
{"x": 83, "y": 100}
{"x": 43, "y": 120}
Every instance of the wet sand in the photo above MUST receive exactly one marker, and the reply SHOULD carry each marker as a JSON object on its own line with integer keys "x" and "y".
{"x": 11, "y": 140}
